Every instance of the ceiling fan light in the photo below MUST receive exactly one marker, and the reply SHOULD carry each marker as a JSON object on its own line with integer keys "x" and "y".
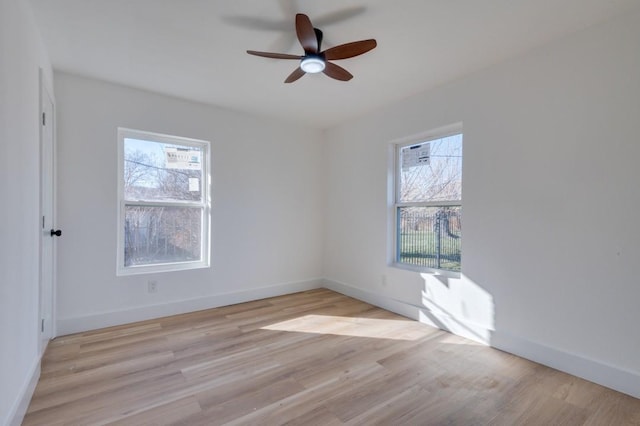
{"x": 312, "y": 64}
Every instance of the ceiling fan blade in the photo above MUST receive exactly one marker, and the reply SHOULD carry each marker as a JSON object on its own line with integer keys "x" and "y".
{"x": 349, "y": 50}
{"x": 274, "y": 55}
{"x": 257, "y": 23}
{"x": 306, "y": 33}
{"x": 337, "y": 72}
{"x": 295, "y": 75}
{"x": 339, "y": 15}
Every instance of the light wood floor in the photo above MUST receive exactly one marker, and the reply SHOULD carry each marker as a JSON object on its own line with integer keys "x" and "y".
{"x": 312, "y": 358}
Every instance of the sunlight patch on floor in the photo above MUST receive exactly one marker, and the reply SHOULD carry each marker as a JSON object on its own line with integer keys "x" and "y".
{"x": 354, "y": 326}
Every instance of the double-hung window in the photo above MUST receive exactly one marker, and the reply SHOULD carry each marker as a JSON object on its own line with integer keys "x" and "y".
{"x": 163, "y": 211}
{"x": 428, "y": 203}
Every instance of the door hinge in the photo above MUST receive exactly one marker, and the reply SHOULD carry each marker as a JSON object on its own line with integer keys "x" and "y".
{"x": 44, "y": 119}
{"x": 42, "y": 326}
{"x": 42, "y": 222}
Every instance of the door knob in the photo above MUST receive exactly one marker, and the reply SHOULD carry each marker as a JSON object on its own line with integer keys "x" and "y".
{"x": 57, "y": 233}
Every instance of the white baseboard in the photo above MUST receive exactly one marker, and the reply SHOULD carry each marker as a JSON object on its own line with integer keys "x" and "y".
{"x": 23, "y": 397}
{"x": 612, "y": 377}
{"x": 393, "y": 305}
{"x": 107, "y": 319}
{"x": 438, "y": 319}
{"x": 615, "y": 378}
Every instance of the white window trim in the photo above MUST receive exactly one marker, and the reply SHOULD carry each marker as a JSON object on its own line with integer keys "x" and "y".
{"x": 395, "y": 147}
{"x": 205, "y": 204}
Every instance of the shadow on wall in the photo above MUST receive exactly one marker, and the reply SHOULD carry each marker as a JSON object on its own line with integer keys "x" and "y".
{"x": 457, "y": 305}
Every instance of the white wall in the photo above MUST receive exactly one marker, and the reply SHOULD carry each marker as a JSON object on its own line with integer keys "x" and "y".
{"x": 266, "y": 215}
{"x": 21, "y": 56}
{"x": 551, "y": 200}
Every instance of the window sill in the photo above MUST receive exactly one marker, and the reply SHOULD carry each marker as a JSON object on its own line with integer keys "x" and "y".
{"x": 425, "y": 270}
{"x": 158, "y": 268}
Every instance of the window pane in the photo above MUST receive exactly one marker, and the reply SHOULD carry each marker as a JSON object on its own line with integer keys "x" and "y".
{"x": 430, "y": 236}
{"x": 155, "y": 235}
{"x": 431, "y": 171}
{"x": 155, "y": 171}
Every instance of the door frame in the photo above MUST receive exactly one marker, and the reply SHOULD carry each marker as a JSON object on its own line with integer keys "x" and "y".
{"x": 50, "y": 322}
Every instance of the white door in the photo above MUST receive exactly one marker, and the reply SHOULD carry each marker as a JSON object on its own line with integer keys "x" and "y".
{"x": 47, "y": 223}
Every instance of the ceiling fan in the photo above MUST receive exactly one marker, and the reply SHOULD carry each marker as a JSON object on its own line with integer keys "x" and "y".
{"x": 314, "y": 60}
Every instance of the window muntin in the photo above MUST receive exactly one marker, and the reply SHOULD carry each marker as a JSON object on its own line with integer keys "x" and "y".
{"x": 429, "y": 203}
{"x": 163, "y": 214}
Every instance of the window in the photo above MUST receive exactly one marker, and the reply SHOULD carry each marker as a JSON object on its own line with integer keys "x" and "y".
{"x": 163, "y": 212}
{"x": 428, "y": 203}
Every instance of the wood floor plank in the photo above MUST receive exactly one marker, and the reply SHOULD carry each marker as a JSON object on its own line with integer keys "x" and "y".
{"x": 165, "y": 414}
{"x": 95, "y": 379}
{"x": 310, "y": 358}
{"x": 293, "y": 407}
{"x": 247, "y": 402}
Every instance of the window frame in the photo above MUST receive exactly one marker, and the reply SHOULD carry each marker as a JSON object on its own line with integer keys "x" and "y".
{"x": 397, "y": 145}
{"x": 204, "y": 204}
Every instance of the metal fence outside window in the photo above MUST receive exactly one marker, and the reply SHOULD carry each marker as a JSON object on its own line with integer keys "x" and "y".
{"x": 430, "y": 236}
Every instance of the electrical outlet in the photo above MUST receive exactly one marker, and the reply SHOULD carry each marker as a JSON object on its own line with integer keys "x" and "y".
{"x": 383, "y": 280}
{"x": 152, "y": 286}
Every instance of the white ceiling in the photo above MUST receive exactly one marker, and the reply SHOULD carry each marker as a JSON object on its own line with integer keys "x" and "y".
{"x": 195, "y": 49}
